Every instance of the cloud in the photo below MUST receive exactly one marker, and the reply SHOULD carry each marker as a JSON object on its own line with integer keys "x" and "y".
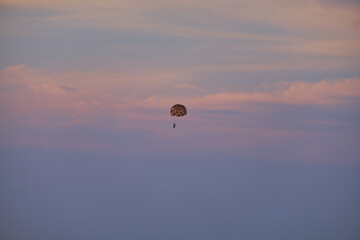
{"x": 323, "y": 92}
{"x": 19, "y": 71}
{"x": 127, "y": 92}
{"x": 88, "y": 111}
{"x": 186, "y": 86}
{"x": 79, "y": 97}
{"x": 326, "y": 92}
{"x": 52, "y": 89}
{"x": 210, "y": 19}
{"x": 200, "y": 36}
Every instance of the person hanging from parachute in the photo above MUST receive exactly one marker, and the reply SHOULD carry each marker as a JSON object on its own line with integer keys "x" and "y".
{"x": 178, "y": 110}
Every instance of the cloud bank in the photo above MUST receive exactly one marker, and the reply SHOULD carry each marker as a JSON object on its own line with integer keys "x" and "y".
{"x": 36, "y": 99}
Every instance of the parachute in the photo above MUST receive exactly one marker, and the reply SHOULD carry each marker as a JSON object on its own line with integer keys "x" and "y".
{"x": 178, "y": 110}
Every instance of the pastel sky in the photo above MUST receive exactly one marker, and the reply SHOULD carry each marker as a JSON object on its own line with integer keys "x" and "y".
{"x": 269, "y": 148}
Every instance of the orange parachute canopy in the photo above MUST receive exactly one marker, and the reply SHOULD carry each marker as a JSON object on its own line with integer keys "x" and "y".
{"x": 178, "y": 110}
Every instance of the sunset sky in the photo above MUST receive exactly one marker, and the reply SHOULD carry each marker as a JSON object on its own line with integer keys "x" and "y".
{"x": 269, "y": 148}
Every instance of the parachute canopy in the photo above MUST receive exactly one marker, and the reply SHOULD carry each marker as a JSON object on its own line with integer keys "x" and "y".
{"x": 178, "y": 110}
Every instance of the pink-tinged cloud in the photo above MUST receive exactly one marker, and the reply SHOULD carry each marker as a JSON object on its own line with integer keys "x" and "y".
{"x": 125, "y": 92}
{"x": 326, "y": 92}
{"x": 18, "y": 72}
{"x": 185, "y": 86}
{"x": 82, "y": 98}
{"x": 53, "y": 109}
{"x": 77, "y": 98}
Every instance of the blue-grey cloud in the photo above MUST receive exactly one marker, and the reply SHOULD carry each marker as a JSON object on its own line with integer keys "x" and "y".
{"x": 69, "y": 89}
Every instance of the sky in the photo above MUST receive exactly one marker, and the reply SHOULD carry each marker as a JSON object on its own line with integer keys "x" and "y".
{"x": 269, "y": 148}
